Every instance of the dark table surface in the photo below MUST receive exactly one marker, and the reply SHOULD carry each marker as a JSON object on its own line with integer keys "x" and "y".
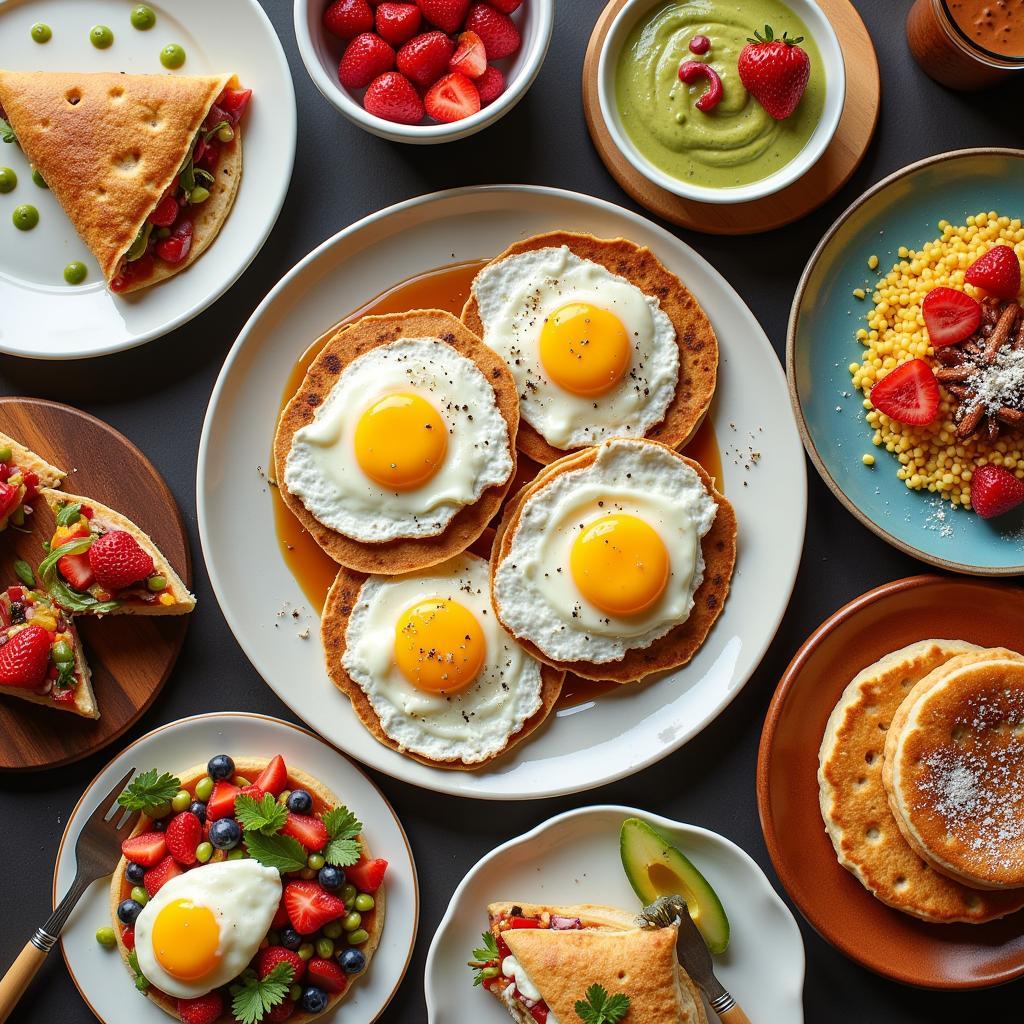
{"x": 157, "y": 395}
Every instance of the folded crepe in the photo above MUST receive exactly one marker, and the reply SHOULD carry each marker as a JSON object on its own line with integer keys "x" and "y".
{"x": 112, "y": 146}
{"x": 595, "y": 946}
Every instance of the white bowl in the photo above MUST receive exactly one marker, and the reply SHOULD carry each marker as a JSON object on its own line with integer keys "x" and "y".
{"x": 320, "y": 52}
{"x": 835, "y": 94}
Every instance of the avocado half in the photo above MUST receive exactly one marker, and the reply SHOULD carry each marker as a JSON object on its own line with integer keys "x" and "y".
{"x": 656, "y": 868}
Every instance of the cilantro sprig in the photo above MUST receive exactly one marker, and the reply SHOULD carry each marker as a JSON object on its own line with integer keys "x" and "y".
{"x": 148, "y": 790}
{"x": 342, "y": 849}
{"x": 265, "y": 815}
{"x": 258, "y": 996}
{"x": 483, "y": 959}
{"x": 601, "y": 1008}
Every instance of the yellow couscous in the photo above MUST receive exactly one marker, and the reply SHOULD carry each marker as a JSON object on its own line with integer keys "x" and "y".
{"x": 932, "y": 457}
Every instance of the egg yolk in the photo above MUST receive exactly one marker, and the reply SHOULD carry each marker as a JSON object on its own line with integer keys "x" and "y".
{"x": 400, "y": 441}
{"x": 186, "y": 938}
{"x": 439, "y": 645}
{"x": 584, "y": 350}
{"x": 620, "y": 564}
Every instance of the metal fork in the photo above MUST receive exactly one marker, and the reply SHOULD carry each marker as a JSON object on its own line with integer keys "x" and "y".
{"x": 97, "y": 852}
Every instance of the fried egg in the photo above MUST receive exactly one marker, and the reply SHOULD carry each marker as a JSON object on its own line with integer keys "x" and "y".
{"x": 591, "y": 354}
{"x": 203, "y": 927}
{"x": 445, "y": 680}
{"x": 409, "y": 434}
{"x": 606, "y": 559}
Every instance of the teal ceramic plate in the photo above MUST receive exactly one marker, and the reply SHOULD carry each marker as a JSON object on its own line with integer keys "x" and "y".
{"x": 904, "y": 209}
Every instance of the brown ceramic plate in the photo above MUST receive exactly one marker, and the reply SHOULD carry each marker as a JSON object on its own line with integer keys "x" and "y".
{"x": 832, "y": 900}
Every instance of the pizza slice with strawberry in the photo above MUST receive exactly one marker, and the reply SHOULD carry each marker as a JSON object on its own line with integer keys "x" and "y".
{"x": 22, "y": 473}
{"x": 100, "y": 563}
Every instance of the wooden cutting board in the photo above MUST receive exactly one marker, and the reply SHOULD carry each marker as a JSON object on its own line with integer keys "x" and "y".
{"x": 131, "y": 656}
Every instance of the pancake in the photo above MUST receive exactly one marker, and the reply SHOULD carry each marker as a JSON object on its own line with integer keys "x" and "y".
{"x": 854, "y": 805}
{"x": 954, "y": 769}
{"x": 695, "y": 337}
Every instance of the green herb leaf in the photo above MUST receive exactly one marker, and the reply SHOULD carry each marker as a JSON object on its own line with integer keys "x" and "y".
{"x": 149, "y": 789}
{"x": 281, "y": 852}
{"x": 6, "y": 131}
{"x": 24, "y": 572}
{"x": 342, "y": 849}
{"x": 266, "y": 815}
{"x": 69, "y": 513}
{"x": 65, "y": 677}
{"x": 601, "y": 1008}
{"x": 483, "y": 958}
{"x": 258, "y": 996}
{"x": 48, "y": 566}
{"x": 72, "y": 601}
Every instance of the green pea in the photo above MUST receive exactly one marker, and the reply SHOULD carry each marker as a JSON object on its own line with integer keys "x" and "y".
{"x": 237, "y": 854}
{"x": 295, "y": 993}
{"x": 75, "y": 273}
{"x": 489, "y": 972}
{"x": 181, "y": 800}
{"x": 333, "y": 929}
{"x": 172, "y": 56}
{"x": 325, "y": 948}
{"x": 364, "y": 902}
{"x": 198, "y": 195}
{"x": 283, "y": 798}
{"x": 315, "y": 861}
{"x": 41, "y": 33}
{"x": 306, "y": 951}
{"x": 101, "y": 37}
{"x": 204, "y": 851}
{"x": 143, "y": 18}
{"x": 62, "y": 653}
{"x": 204, "y": 787}
{"x": 225, "y": 133}
{"x": 8, "y": 180}
{"x": 358, "y": 937}
{"x": 160, "y": 811}
{"x": 38, "y": 179}
{"x": 352, "y": 921}
{"x": 6, "y": 453}
{"x": 156, "y": 583}
{"x": 106, "y": 937}
{"x": 241, "y": 781}
{"x": 348, "y": 894}
{"x": 140, "y": 895}
{"x": 25, "y": 217}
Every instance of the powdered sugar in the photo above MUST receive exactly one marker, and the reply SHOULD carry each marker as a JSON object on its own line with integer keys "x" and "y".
{"x": 999, "y": 384}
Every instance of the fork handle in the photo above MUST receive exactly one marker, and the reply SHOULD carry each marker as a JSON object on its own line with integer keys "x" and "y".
{"x": 22, "y": 971}
{"x": 734, "y": 1015}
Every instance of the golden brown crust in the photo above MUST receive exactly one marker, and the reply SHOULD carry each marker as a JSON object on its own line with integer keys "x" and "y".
{"x": 341, "y": 599}
{"x": 348, "y": 343}
{"x": 107, "y": 144}
{"x": 250, "y": 768}
{"x": 680, "y": 644}
{"x": 698, "y": 346}
{"x": 25, "y": 458}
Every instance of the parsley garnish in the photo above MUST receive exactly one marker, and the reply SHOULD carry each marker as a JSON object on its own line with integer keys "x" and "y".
{"x": 149, "y": 790}
{"x": 483, "y": 958}
{"x": 342, "y": 849}
{"x": 69, "y": 599}
{"x": 601, "y": 1008}
{"x": 281, "y": 852}
{"x": 65, "y": 677}
{"x": 258, "y": 996}
{"x": 265, "y": 815}
{"x": 6, "y": 131}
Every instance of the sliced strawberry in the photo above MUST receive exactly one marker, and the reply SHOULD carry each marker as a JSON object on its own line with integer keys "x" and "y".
{"x": 393, "y": 97}
{"x": 234, "y": 103}
{"x": 282, "y": 1011}
{"x": 398, "y": 23}
{"x": 251, "y": 790}
{"x": 281, "y": 917}
{"x": 447, "y": 15}
{"x": 950, "y": 316}
{"x": 310, "y": 907}
{"x": 184, "y": 833}
{"x": 147, "y": 849}
{"x": 326, "y": 974}
{"x": 490, "y": 85}
{"x": 367, "y": 875}
{"x": 424, "y": 59}
{"x": 156, "y": 878}
{"x": 505, "y": 6}
{"x": 25, "y": 658}
{"x": 498, "y": 31}
{"x": 77, "y": 571}
{"x": 309, "y": 831}
{"x": 909, "y": 394}
{"x": 995, "y": 491}
{"x": 178, "y": 246}
{"x": 347, "y": 18}
{"x": 222, "y": 801}
{"x": 269, "y": 958}
{"x": 366, "y": 57}
{"x": 128, "y": 938}
{"x": 201, "y": 1010}
{"x": 998, "y": 272}
{"x": 452, "y": 98}
{"x": 166, "y": 212}
{"x": 274, "y": 778}
{"x": 469, "y": 57}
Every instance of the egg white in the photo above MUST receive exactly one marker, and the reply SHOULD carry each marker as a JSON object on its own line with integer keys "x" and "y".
{"x": 470, "y": 725}
{"x": 321, "y": 469}
{"x": 516, "y": 296}
{"x": 534, "y": 587}
{"x": 243, "y": 896}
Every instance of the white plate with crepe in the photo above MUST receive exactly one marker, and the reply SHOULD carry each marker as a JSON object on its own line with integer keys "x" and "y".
{"x": 98, "y": 973}
{"x": 586, "y": 742}
{"x": 574, "y": 858}
{"x": 44, "y": 317}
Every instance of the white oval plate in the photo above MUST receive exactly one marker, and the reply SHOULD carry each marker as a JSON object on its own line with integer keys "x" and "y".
{"x": 574, "y": 858}
{"x": 43, "y": 317}
{"x": 581, "y": 746}
{"x": 99, "y": 974}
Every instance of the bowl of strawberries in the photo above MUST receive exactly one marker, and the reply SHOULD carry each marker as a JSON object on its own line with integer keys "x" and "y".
{"x": 423, "y": 71}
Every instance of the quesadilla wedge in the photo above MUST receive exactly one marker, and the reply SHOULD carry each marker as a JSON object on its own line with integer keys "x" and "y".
{"x": 145, "y": 166}
{"x": 22, "y": 473}
{"x": 101, "y": 563}
{"x": 542, "y": 960}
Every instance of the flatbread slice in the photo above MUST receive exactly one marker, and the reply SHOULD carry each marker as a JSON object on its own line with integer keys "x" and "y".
{"x": 22, "y": 461}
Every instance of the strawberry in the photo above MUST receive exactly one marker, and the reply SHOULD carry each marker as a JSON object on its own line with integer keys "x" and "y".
{"x": 274, "y": 778}
{"x": 117, "y": 559}
{"x": 366, "y": 57}
{"x": 252, "y": 790}
{"x": 998, "y": 272}
{"x": 184, "y": 833}
{"x": 398, "y": 23}
{"x": 175, "y": 248}
{"x": 367, "y": 875}
{"x": 166, "y": 212}
{"x": 447, "y": 15}
{"x": 950, "y": 316}
{"x": 222, "y": 801}
{"x": 9, "y": 498}
{"x": 234, "y": 103}
{"x": 393, "y": 97}
{"x": 282, "y": 1011}
{"x": 281, "y": 916}
{"x": 775, "y": 72}
{"x": 500, "y": 35}
{"x": 270, "y": 957}
{"x": 128, "y": 938}
{"x": 309, "y": 831}
{"x": 424, "y": 59}
{"x": 155, "y": 878}
{"x": 995, "y": 491}
{"x": 201, "y": 1010}
{"x": 326, "y": 974}
{"x": 310, "y": 907}
{"x": 909, "y": 394}
{"x": 490, "y": 85}
{"x": 347, "y": 18}
{"x": 505, "y": 6}
{"x": 452, "y": 98}
{"x": 147, "y": 849}
{"x": 25, "y": 658}
{"x": 469, "y": 57}
{"x": 77, "y": 570}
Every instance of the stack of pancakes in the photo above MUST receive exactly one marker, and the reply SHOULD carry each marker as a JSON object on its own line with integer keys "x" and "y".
{"x": 921, "y": 780}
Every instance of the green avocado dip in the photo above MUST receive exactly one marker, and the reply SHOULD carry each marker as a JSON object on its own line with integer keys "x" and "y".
{"x": 736, "y": 142}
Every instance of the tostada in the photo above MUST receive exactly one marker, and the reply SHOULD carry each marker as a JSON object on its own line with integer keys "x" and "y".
{"x": 22, "y": 473}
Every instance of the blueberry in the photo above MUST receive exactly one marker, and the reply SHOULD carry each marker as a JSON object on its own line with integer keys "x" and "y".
{"x": 159, "y": 825}
{"x": 290, "y": 938}
{"x": 314, "y": 1000}
{"x": 351, "y": 961}
{"x": 220, "y": 767}
{"x": 331, "y": 877}
{"x": 300, "y": 802}
{"x": 198, "y": 808}
{"x": 128, "y": 912}
{"x": 135, "y": 873}
{"x": 225, "y": 834}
